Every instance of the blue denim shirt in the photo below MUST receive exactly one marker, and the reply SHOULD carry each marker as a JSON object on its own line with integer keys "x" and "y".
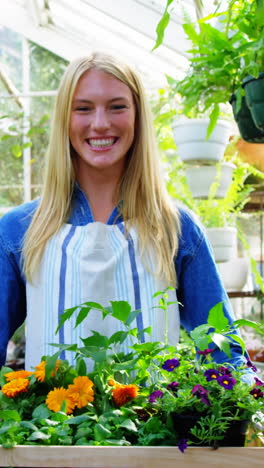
{"x": 199, "y": 285}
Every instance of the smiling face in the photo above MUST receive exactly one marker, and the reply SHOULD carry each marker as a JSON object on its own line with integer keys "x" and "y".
{"x": 102, "y": 122}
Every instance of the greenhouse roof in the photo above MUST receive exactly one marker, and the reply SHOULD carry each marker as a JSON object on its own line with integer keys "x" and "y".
{"x": 72, "y": 28}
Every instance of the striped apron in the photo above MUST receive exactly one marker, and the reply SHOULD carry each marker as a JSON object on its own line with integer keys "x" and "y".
{"x": 95, "y": 262}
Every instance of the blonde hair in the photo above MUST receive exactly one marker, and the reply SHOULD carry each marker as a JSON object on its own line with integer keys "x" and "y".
{"x": 146, "y": 203}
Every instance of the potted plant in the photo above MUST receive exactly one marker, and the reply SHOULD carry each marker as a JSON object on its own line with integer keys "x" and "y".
{"x": 193, "y": 146}
{"x": 201, "y": 177}
{"x": 225, "y": 59}
{"x": 134, "y": 398}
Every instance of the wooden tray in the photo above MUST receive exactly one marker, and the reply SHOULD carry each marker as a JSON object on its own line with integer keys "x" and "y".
{"x": 130, "y": 457}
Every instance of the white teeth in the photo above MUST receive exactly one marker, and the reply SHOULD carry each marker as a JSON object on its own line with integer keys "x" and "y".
{"x": 101, "y": 143}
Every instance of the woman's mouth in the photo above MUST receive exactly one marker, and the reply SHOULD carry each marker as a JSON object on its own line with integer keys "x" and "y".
{"x": 101, "y": 142}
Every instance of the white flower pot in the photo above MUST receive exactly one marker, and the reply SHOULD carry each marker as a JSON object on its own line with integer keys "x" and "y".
{"x": 200, "y": 179}
{"x": 223, "y": 241}
{"x": 190, "y": 139}
{"x": 234, "y": 273}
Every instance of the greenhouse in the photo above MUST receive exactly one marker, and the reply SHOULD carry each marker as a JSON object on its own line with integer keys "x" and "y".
{"x": 127, "y": 200}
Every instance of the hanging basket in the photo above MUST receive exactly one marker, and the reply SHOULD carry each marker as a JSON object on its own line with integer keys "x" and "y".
{"x": 254, "y": 93}
{"x": 246, "y": 125}
{"x": 223, "y": 241}
{"x": 234, "y": 273}
{"x": 200, "y": 179}
{"x": 191, "y": 142}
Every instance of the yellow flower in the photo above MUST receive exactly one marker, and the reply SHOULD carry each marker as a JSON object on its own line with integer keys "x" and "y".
{"x": 40, "y": 372}
{"x": 81, "y": 391}
{"x": 124, "y": 393}
{"x": 23, "y": 374}
{"x": 16, "y": 386}
{"x": 57, "y": 397}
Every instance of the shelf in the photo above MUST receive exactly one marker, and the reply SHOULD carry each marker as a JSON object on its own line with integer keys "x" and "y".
{"x": 130, "y": 457}
{"x": 232, "y": 294}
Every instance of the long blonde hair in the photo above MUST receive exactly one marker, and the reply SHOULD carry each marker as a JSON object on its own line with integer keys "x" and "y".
{"x": 146, "y": 204}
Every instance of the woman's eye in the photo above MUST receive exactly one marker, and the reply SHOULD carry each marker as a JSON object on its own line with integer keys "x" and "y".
{"x": 118, "y": 107}
{"x": 83, "y": 109}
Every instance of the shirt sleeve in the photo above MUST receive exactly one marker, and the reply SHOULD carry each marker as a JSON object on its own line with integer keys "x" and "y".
{"x": 200, "y": 286}
{"x": 12, "y": 298}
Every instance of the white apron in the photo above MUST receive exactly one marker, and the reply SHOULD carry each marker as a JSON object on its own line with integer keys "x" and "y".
{"x": 95, "y": 262}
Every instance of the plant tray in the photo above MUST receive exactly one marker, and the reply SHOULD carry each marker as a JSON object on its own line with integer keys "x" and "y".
{"x": 130, "y": 457}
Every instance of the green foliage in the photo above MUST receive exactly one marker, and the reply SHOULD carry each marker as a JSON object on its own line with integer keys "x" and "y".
{"x": 225, "y": 47}
{"x": 151, "y": 368}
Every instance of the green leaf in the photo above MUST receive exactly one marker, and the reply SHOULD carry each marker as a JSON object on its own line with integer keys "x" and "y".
{"x": 94, "y": 353}
{"x": 38, "y": 435}
{"x": 198, "y": 333}
{"x": 216, "y": 317}
{"x": 65, "y": 316}
{"x": 120, "y": 310}
{"x": 147, "y": 330}
{"x": 132, "y": 317}
{"x": 118, "y": 337}
{"x": 101, "y": 341}
{"x": 190, "y": 31}
{"x": 6, "y": 137}
{"x": 101, "y": 432}
{"x": 26, "y": 145}
{"x": 239, "y": 340}
{"x": 16, "y": 151}
{"x": 79, "y": 419}
{"x": 4, "y": 370}
{"x": 51, "y": 364}
{"x": 162, "y": 25}
{"x": 119, "y": 366}
{"x": 213, "y": 120}
{"x": 41, "y": 412}
{"x": 28, "y": 425}
{"x": 81, "y": 367}
{"x": 60, "y": 417}
{"x": 82, "y": 315}
{"x": 249, "y": 323}
{"x": 222, "y": 342}
{"x": 6, "y": 415}
{"x": 129, "y": 425}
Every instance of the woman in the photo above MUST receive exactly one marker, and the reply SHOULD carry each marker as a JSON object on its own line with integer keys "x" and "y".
{"x": 104, "y": 228}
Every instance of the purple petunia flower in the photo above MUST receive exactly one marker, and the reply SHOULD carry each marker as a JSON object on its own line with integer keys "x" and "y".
{"x": 173, "y": 386}
{"x": 249, "y": 364}
{"x": 259, "y": 382}
{"x": 154, "y": 395}
{"x": 182, "y": 446}
{"x": 170, "y": 364}
{"x": 198, "y": 389}
{"x": 205, "y": 352}
{"x": 211, "y": 374}
{"x": 201, "y": 393}
{"x": 224, "y": 370}
{"x": 257, "y": 393}
{"x": 226, "y": 381}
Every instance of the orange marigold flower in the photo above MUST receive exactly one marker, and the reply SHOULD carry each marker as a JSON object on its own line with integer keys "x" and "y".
{"x": 16, "y": 386}
{"x": 124, "y": 393}
{"x": 21, "y": 374}
{"x": 81, "y": 391}
{"x": 40, "y": 372}
{"x": 57, "y": 397}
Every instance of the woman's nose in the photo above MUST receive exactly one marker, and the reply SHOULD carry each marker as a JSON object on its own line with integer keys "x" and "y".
{"x": 100, "y": 120}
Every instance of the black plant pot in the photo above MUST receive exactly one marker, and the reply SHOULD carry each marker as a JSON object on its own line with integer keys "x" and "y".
{"x": 235, "y": 435}
{"x": 246, "y": 125}
{"x": 254, "y": 92}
